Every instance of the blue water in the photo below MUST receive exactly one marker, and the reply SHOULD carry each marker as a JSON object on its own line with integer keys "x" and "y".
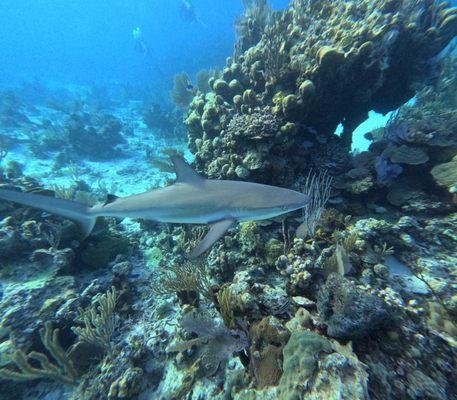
{"x": 91, "y": 41}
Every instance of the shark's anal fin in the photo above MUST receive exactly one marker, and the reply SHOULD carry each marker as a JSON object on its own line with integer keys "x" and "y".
{"x": 184, "y": 172}
{"x": 216, "y": 231}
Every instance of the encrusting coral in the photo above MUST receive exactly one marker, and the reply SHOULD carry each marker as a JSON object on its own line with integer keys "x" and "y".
{"x": 301, "y": 355}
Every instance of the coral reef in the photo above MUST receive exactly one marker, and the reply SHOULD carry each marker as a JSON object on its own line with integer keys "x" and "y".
{"x": 332, "y": 64}
{"x": 95, "y": 136}
{"x": 355, "y": 299}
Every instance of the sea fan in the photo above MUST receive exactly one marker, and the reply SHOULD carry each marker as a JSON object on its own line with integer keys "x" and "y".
{"x": 215, "y": 343}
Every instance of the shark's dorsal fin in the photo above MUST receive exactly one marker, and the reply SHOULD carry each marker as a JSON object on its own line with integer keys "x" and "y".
{"x": 110, "y": 198}
{"x": 184, "y": 172}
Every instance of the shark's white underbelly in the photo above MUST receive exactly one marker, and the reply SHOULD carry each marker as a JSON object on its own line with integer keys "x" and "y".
{"x": 207, "y": 218}
{"x": 169, "y": 215}
{"x": 178, "y": 218}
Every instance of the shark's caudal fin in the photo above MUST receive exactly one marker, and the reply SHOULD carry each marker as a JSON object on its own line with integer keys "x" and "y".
{"x": 73, "y": 210}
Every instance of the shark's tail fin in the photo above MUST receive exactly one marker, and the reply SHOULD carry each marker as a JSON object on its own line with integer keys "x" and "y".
{"x": 73, "y": 210}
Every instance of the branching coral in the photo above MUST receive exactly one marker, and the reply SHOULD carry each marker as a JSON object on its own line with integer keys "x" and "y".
{"x": 379, "y": 253}
{"x": 317, "y": 187}
{"x": 63, "y": 192}
{"x": 100, "y": 321}
{"x": 63, "y": 371}
{"x": 225, "y": 301}
{"x": 182, "y": 277}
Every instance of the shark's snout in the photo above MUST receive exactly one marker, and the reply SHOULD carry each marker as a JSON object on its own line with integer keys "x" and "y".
{"x": 295, "y": 200}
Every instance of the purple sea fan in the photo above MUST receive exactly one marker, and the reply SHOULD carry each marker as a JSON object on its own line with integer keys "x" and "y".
{"x": 215, "y": 342}
{"x": 386, "y": 171}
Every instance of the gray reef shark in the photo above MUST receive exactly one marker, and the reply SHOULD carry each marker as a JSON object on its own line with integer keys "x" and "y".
{"x": 190, "y": 200}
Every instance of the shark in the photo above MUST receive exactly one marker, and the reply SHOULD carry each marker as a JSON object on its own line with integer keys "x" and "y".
{"x": 191, "y": 199}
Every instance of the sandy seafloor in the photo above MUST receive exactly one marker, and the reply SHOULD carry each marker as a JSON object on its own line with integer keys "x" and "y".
{"x": 126, "y": 175}
{"x": 131, "y": 173}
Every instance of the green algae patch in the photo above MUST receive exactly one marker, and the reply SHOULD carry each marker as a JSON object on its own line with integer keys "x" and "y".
{"x": 154, "y": 255}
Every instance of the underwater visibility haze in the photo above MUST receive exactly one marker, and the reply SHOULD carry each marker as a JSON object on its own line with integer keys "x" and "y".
{"x": 228, "y": 199}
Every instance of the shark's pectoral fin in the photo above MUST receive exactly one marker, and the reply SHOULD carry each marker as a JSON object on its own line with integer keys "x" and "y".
{"x": 216, "y": 231}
